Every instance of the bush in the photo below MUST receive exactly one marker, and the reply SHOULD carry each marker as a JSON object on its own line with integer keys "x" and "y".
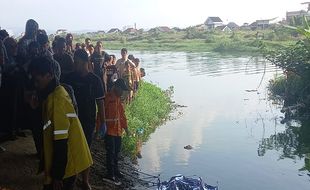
{"x": 123, "y": 40}
{"x": 149, "y": 109}
{"x": 151, "y": 40}
{"x": 270, "y": 36}
{"x": 277, "y": 86}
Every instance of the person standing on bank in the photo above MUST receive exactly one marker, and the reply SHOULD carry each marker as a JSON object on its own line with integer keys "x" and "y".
{"x": 98, "y": 58}
{"x": 31, "y": 31}
{"x": 116, "y": 122}
{"x": 88, "y": 91}
{"x": 65, "y": 150}
{"x": 63, "y": 58}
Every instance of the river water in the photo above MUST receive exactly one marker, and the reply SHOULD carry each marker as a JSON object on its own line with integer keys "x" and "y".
{"x": 235, "y": 131}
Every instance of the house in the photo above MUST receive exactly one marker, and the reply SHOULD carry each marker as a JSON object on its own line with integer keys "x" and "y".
{"x": 164, "y": 29}
{"x": 260, "y": 24}
{"x": 233, "y": 26}
{"x": 114, "y": 30}
{"x": 61, "y": 31}
{"x": 224, "y": 28}
{"x": 213, "y": 22}
{"x": 253, "y": 25}
{"x": 245, "y": 26}
{"x": 293, "y": 16}
{"x": 100, "y": 32}
{"x": 130, "y": 31}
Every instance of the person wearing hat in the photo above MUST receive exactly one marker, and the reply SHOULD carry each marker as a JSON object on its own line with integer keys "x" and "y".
{"x": 115, "y": 121}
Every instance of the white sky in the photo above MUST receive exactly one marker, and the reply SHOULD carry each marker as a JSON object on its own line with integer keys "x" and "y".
{"x": 105, "y": 14}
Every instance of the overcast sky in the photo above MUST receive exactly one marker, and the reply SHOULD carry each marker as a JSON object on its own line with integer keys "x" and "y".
{"x": 104, "y": 14}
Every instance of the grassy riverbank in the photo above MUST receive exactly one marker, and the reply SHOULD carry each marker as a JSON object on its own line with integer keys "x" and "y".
{"x": 192, "y": 40}
{"x": 150, "y": 108}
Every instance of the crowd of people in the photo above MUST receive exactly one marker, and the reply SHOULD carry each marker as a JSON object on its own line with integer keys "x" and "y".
{"x": 67, "y": 95}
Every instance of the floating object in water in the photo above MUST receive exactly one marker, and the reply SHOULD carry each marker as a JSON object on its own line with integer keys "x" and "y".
{"x": 181, "y": 182}
{"x": 140, "y": 131}
{"x": 251, "y": 90}
{"x": 188, "y": 147}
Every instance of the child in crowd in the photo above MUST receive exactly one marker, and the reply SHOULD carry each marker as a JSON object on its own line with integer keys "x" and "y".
{"x": 116, "y": 121}
{"x": 128, "y": 79}
{"x": 137, "y": 75}
{"x": 111, "y": 75}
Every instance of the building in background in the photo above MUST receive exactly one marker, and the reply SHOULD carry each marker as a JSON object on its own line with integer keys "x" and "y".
{"x": 213, "y": 22}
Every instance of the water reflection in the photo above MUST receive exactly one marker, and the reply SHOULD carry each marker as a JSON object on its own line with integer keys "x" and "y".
{"x": 293, "y": 143}
{"x": 217, "y": 66}
{"x": 202, "y": 63}
{"x": 224, "y": 123}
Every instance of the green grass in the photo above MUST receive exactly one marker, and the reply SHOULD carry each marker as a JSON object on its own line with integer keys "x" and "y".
{"x": 150, "y": 108}
{"x": 277, "y": 86}
{"x": 191, "y": 40}
{"x": 292, "y": 88}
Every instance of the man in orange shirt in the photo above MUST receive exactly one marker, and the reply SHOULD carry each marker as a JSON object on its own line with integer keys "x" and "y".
{"x": 116, "y": 121}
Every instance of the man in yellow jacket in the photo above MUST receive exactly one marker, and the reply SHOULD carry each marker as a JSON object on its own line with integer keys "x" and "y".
{"x": 65, "y": 150}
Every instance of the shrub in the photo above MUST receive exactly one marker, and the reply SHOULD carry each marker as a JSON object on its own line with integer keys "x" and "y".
{"x": 149, "y": 109}
{"x": 277, "y": 86}
{"x": 123, "y": 40}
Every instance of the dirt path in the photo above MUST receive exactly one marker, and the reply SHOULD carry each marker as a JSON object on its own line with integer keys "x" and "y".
{"x": 19, "y": 165}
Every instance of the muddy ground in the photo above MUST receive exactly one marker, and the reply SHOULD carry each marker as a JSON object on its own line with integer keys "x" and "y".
{"x": 19, "y": 165}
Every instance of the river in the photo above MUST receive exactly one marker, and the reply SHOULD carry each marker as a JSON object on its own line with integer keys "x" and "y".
{"x": 237, "y": 138}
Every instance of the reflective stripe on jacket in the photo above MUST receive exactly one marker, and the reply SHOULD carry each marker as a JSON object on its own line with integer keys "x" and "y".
{"x": 61, "y": 122}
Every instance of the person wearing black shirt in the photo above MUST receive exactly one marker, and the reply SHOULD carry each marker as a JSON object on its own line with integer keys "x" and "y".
{"x": 98, "y": 58}
{"x": 88, "y": 91}
{"x": 64, "y": 59}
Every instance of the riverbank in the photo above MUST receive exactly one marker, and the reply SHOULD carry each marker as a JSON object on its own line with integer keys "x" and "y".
{"x": 150, "y": 108}
{"x": 192, "y": 40}
{"x": 248, "y": 47}
{"x": 19, "y": 166}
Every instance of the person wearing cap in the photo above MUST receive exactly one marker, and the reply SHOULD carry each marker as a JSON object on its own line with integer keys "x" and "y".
{"x": 65, "y": 150}
{"x": 115, "y": 121}
{"x": 88, "y": 92}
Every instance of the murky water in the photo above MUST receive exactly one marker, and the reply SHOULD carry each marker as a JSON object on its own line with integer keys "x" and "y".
{"x": 235, "y": 131}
